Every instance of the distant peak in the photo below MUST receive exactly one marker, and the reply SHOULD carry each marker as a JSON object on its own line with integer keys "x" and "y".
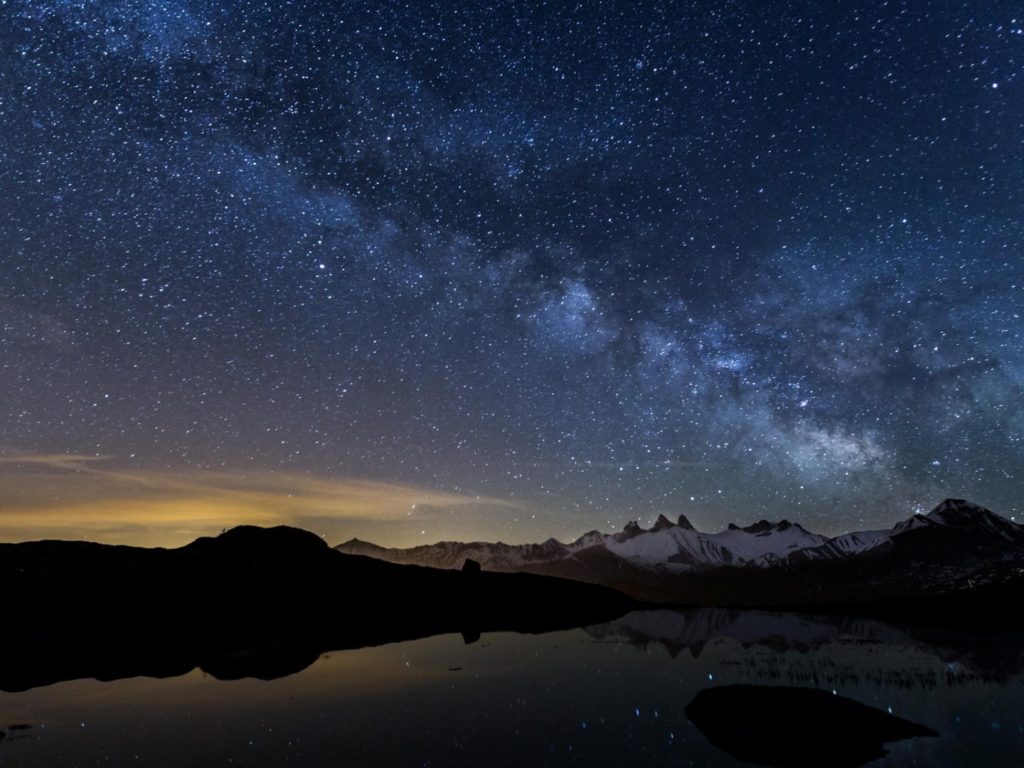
{"x": 963, "y": 513}
{"x": 684, "y": 523}
{"x": 632, "y": 529}
{"x": 765, "y": 526}
{"x": 956, "y": 505}
{"x": 356, "y": 543}
{"x": 662, "y": 523}
{"x": 591, "y": 539}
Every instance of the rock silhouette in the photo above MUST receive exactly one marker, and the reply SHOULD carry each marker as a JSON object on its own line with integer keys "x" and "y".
{"x": 796, "y": 727}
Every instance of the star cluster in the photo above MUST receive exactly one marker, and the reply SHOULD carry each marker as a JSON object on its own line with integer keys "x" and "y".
{"x": 598, "y": 260}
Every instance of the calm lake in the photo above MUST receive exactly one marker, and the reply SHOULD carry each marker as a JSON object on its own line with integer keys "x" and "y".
{"x": 611, "y": 694}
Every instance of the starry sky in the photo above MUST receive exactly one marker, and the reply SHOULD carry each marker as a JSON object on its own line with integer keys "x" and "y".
{"x": 414, "y": 271}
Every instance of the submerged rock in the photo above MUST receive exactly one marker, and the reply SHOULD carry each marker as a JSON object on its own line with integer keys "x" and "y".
{"x": 796, "y": 727}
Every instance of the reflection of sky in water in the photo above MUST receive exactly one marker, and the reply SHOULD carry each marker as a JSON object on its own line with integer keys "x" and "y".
{"x": 568, "y": 698}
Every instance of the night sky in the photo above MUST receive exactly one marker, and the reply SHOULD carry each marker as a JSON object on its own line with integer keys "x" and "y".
{"x": 482, "y": 270}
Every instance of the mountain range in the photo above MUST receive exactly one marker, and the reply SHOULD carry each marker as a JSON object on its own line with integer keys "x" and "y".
{"x": 958, "y": 545}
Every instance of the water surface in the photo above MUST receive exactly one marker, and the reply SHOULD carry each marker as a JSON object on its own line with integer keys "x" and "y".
{"x": 612, "y": 694}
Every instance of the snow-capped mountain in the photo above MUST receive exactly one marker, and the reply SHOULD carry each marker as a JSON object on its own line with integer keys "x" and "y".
{"x": 961, "y": 524}
{"x": 680, "y": 547}
{"x": 677, "y": 547}
{"x": 957, "y": 513}
{"x": 666, "y": 546}
{"x": 960, "y": 559}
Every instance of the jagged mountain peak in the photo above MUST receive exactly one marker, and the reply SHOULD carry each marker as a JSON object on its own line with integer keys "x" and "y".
{"x": 632, "y": 529}
{"x": 684, "y": 523}
{"x": 764, "y": 526}
{"x": 662, "y": 524}
{"x": 962, "y": 514}
{"x": 951, "y": 511}
{"x": 589, "y": 539}
{"x": 958, "y": 513}
{"x": 356, "y": 541}
{"x": 951, "y": 503}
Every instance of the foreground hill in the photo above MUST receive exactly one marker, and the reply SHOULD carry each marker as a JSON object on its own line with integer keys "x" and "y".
{"x": 959, "y": 557}
{"x": 78, "y": 609}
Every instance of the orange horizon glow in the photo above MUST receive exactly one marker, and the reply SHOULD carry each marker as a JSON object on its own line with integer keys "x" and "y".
{"x": 63, "y": 496}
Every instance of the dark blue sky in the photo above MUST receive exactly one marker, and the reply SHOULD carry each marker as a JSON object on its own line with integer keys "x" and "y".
{"x": 589, "y": 262}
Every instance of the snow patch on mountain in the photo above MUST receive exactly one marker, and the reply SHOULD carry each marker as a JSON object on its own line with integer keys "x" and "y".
{"x": 845, "y": 545}
{"x": 678, "y": 547}
{"x": 766, "y": 542}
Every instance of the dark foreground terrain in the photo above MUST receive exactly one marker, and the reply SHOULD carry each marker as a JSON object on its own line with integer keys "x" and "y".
{"x": 251, "y": 602}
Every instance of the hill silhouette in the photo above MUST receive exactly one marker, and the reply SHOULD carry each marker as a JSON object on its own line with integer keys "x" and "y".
{"x": 253, "y": 601}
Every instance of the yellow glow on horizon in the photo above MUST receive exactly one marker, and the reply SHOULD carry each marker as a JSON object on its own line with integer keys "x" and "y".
{"x": 82, "y": 497}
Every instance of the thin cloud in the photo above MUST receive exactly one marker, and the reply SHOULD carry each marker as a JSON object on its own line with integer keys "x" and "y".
{"x": 69, "y": 496}
{"x": 51, "y": 460}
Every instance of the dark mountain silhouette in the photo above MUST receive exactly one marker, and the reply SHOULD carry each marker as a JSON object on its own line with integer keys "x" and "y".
{"x": 250, "y": 602}
{"x": 960, "y": 562}
{"x": 796, "y": 727}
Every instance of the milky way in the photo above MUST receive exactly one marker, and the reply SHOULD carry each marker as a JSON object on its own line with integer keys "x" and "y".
{"x": 590, "y": 262}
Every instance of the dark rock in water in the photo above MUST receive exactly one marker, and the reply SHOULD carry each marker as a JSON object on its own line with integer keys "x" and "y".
{"x": 470, "y": 566}
{"x": 796, "y": 727}
{"x": 14, "y": 731}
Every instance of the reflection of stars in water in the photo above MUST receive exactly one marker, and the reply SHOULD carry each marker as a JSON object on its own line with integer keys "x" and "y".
{"x": 505, "y": 249}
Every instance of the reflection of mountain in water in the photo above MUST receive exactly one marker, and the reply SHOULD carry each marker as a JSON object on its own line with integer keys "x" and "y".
{"x": 252, "y": 602}
{"x": 796, "y": 727}
{"x": 808, "y": 648}
{"x": 15, "y": 731}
